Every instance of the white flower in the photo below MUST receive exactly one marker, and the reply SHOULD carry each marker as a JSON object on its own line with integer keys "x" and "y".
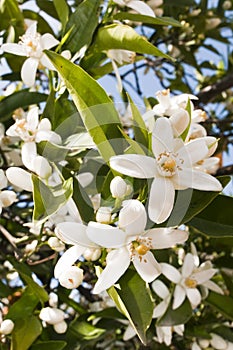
{"x": 6, "y": 197}
{"x": 136, "y": 5}
{"x": 132, "y": 243}
{"x": 32, "y": 45}
{"x": 6, "y": 326}
{"x": 189, "y": 279}
{"x": 216, "y": 342}
{"x": 20, "y": 178}
{"x": 60, "y": 327}
{"x": 172, "y": 168}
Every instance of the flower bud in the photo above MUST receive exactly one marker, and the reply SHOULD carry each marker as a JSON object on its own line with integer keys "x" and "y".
{"x": 7, "y": 198}
{"x": 53, "y": 299}
{"x": 71, "y": 278}
{"x": 51, "y": 315}
{"x": 132, "y": 217}
{"x": 92, "y": 254}
{"x": 6, "y": 326}
{"x": 204, "y": 343}
{"x": 60, "y": 327}
{"x": 103, "y": 215}
{"x": 56, "y": 244}
{"x": 218, "y": 342}
{"x": 118, "y": 187}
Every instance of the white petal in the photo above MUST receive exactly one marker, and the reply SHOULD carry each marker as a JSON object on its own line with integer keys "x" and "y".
{"x": 15, "y": 49}
{"x": 44, "y": 124}
{"x": 75, "y": 233}
{"x": 147, "y": 267}
{"x": 179, "y": 329}
{"x": 190, "y": 178}
{"x": 218, "y": 342}
{"x": 161, "y": 199}
{"x": 45, "y": 61}
{"x": 163, "y": 238}
{"x": 195, "y": 346}
{"x": 160, "y": 309}
{"x": 68, "y": 259}
{"x": 51, "y": 136}
{"x": 29, "y": 153}
{"x": 170, "y": 272}
{"x": 32, "y": 29}
{"x": 41, "y": 167}
{"x": 160, "y": 289}
{"x": 132, "y": 217}
{"x": 140, "y": 7}
{"x": 203, "y": 276}
{"x": 193, "y": 151}
{"x": 33, "y": 119}
{"x": 179, "y": 296}
{"x": 117, "y": 263}
{"x": 105, "y": 235}
{"x": 180, "y": 121}
{"x": 48, "y": 41}
{"x": 85, "y": 178}
{"x": 188, "y": 265}
{"x": 3, "y": 179}
{"x": 213, "y": 286}
{"x": 134, "y": 165}
{"x": 162, "y": 137}
{"x": 194, "y": 296}
{"x": 28, "y": 71}
{"x": 7, "y": 198}
{"x": 20, "y": 178}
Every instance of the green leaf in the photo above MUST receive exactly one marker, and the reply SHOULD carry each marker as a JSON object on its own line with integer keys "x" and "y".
{"x": 62, "y": 10}
{"x": 48, "y": 7}
{"x": 216, "y": 220}
{"x": 49, "y": 345}
{"x": 25, "y": 304}
{"x": 223, "y": 303}
{"x": 176, "y": 317}
{"x": 95, "y": 107}
{"x": 39, "y": 291}
{"x": 140, "y": 130}
{"x": 4, "y": 290}
{"x": 52, "y": 151}
{"x": 85, "y": 330}
{"x": 42, "y": 25}
{"x": 191, "y": 202}
{"x": 11, "y": 15}
{"x": 26, "y": 330}
{"x": 49, "y": 199}
{"x": 121, "y": 36}
{"x": 22, "y": 99}
{"x": 162, "y": 21}
{"x": 134, "y": 300}
{"x": 82, "y": 23}
{"x": 189, "y": 110}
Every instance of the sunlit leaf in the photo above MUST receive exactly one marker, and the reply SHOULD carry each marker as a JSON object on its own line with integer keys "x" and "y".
{"x": 176, "y": 317}
{"x": 222, "y": 303}
{"x": 164, "y": 21}
{"x": 26, "y": 330}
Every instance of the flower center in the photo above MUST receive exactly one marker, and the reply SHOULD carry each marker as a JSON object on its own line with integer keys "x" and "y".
{"x": 32, "y": 45}
{"x": 167, "y": 164}
{"x": 140, "y": 247}
{"x": 190, "y": 283}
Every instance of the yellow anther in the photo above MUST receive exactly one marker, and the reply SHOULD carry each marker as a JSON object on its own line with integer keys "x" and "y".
{"x": 169, "y": 164}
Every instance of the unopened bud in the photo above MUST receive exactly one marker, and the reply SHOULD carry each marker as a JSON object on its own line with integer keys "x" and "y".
{"x": 6, "y": 326}
{"x": 7, "y": 198}
{"x": 56, "y": 244}
{"x": 71, "y": 278}
{"x": 132, "y": 217}
{"x": 118, "y": 187}
{"x": 103, "y": 215}
{"x": 60, "y": 327}
{"x": 92, "y": 254}
{"x": 204, "y": 343}
{"x": 51, "y": 315}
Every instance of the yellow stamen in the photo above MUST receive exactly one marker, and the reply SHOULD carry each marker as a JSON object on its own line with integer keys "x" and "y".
{"x": 169, "y": 164}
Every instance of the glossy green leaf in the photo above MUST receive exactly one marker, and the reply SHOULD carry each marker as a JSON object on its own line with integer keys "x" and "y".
{"x": 49, "y": 345}
{"x": 26, "y": 330}
{"x": 39, "y": 291}
{"x": 222, "y": 303}
{"x": 11, "y": 15}
{"x": 25, "y": 304}
{"x": 22, "y": 99}
{"x": 191, "y": 202}
{"x": 49, "y": 199}
{"x": 82, "y": 24}
{"x": 5, "y": 290}
{"x": 162, "y": 21}
{"x": 134, "y": 300}
{"x": 140, "y": 129}
{"x": 95, "y": 107}
{"x": 176, "y": 317}
{"x": 85, "y": 330}
{"x": 62, "y": 9}
{"x": 216, "y": 220}
{"x": 48, "y": 7}
{"x": 121, "y": 36}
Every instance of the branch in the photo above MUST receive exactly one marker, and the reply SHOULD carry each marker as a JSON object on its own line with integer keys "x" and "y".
{"x": 226, "y": 170}
{"x": 211, "y": 91}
